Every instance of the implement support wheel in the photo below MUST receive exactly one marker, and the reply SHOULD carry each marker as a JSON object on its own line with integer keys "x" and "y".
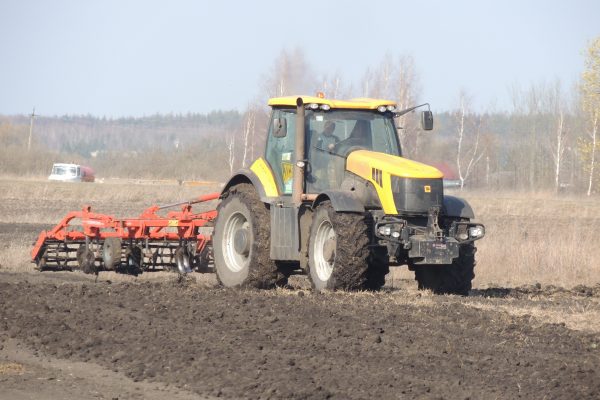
{"x": 111, "y": 253}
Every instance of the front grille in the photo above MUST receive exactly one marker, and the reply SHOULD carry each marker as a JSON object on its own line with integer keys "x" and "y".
{"x": 416, "y": 196}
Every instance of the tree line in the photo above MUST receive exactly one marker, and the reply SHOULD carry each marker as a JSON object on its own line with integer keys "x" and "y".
{"x": 548, "y": 140}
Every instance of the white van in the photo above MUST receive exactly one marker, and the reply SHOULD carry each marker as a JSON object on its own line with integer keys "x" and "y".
{"x": 71, "y": 173}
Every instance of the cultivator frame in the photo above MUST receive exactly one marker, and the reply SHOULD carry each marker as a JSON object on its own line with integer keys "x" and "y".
{"x": 181, "y": 240}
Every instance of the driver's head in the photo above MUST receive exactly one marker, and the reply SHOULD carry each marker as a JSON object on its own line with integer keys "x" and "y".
{"x": 329, "y": 128}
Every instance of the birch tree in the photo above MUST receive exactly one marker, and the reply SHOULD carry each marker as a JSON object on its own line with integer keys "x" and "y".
{"x": 468, "y": 152}
{"x": 590, "y": 94}
{"x": 230, "y": 142}
{"x": 249, "y": 124}
{"x": 556, "y": 110}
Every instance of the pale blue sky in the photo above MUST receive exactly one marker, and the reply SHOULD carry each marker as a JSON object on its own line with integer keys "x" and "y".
{"x": 119, "y": 58}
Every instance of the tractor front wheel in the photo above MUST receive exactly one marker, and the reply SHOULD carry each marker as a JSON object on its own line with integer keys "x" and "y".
{"x": 338, "y": 252}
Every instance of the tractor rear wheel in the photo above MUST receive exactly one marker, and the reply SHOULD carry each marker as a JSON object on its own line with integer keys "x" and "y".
{"x": 338, "y": 250}
{"x": 449, "y": 279}
{"x": 241, "y": 242}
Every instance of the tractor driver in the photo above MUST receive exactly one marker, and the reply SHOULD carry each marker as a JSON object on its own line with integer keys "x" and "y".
{"x": 327, "y": 140}
{"x": 321, "y": 159}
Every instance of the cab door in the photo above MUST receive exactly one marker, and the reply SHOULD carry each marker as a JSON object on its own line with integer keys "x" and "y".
{"x": 279, "y": 151}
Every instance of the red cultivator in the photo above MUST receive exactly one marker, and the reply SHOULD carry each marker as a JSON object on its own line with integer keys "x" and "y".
{"x": 180, "y": 240}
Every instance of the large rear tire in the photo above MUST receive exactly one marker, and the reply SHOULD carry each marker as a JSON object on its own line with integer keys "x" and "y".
{"x": 455, "y": 278}
{"x": 338, "y": 250}
{"x": 241, "y": 242}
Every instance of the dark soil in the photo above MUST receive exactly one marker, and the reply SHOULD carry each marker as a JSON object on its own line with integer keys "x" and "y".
{"x": 295, "y": 344}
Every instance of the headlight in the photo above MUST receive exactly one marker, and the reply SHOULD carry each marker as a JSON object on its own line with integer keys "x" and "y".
{"x": 325, "y": 107}
{"x": 476, "y": 232}
{"x": 313, "y": 106}
{"x": 382, "y": 109}
{"x": 391, "y": 107}
{"x": 462, "y": 236}
{"x": 385, "y": 230}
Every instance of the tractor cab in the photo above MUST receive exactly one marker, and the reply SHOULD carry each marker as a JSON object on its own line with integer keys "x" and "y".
{"x": 330, "y": 136}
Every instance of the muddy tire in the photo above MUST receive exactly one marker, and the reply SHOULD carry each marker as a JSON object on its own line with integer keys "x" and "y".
{"x": 241, "y": 242}
{"x": 338, "y": 250}
{"x": 111, "y": 253}
{"x": 86, "y": 260}
{"x": 455, "y": 278}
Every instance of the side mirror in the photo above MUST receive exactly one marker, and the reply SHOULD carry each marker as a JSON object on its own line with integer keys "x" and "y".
{"x": 280, "y": 127}
{"x": 427, "y": 120}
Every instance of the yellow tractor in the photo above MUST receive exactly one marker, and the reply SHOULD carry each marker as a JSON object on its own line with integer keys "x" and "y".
{"x": 334, "y": 198}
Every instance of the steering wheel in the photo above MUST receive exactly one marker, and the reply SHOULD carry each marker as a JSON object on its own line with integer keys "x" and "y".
{"x": 345, "y": 147}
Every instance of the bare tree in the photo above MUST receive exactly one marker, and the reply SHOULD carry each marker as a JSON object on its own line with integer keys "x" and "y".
{"x": 334, "y": 86}
{"x": 554, "y": 108}
{"x": 590, "y": 88}
{"x": 248, "y": 132}
{"x": 396, "y": 79}
{"x": 230, "y": 141}
{"x": 468, "y": 152}
{"x": 290, "y": 74}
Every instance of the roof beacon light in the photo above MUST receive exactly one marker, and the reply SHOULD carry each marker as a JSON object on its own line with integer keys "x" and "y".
{"x": 325, "y": 107}
{"x": 382, "y": 109}
{"x": 321, "y": 95}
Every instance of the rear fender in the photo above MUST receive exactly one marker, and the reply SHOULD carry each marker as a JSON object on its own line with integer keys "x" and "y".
{"x": 259, "y": 175}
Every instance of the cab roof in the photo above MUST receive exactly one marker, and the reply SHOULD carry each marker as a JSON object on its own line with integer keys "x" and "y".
{"x": 362, "y": 103}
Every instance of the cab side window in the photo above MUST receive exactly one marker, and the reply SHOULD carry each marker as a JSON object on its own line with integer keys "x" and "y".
{"x": 280, "y": 148}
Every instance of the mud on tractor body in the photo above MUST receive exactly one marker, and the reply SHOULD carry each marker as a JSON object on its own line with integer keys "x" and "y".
{"x": 332, "y": 197}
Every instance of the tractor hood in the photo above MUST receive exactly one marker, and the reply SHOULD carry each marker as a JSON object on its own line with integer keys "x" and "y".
{"x": 363, "y": 162}
{"x": 402, "y": 185}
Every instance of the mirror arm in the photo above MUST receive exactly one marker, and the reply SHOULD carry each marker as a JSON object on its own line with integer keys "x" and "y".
{"x": 406, "y": 111}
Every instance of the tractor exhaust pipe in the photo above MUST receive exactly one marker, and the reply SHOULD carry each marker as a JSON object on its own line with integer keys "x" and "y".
{"x": 299, "y": 162}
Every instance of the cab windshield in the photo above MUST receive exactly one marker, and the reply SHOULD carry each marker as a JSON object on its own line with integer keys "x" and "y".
{"x": 339, "y": 131}
{"x": 333, "y": 135}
